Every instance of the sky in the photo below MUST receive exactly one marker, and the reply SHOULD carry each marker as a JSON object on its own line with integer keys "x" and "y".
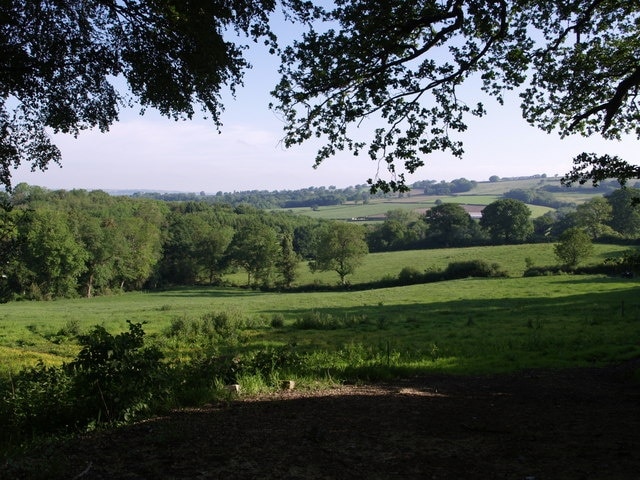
{"x": 151, "y": 152}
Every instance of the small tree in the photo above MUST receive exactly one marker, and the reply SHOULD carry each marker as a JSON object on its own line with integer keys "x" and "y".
{"x": 341, "y": 248}
{"x": 574, "y": 246}
{"x": 507, "y": 221}
{"x": 255, "y": 248}
{"x": 287, "y": 263}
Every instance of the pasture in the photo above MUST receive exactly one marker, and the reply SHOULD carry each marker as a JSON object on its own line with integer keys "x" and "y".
{"x": 483, "y": 194}
{"x": 377, "y": 266}
{"x": 469, "y": 325}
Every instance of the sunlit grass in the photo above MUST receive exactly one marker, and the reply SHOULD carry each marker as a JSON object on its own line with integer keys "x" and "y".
{"x": 376, "y": 266}
{"x": 465, "y": 325}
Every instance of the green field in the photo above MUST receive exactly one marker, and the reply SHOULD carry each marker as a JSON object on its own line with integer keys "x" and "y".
{"x": 417, "y": 203}
{"x": 483, "y": 194}
{"x": 479, "y": 325}
{"x": 376, "y": 266}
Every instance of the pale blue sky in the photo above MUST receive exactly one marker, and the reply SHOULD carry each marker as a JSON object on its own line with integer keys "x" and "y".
{"x": 154, "y": 153}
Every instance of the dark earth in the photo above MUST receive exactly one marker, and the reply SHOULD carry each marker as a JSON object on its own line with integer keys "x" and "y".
{"x": 535, "y": 425}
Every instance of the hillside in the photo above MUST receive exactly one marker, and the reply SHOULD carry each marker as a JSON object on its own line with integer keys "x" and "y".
{"x": 482, "y": 194}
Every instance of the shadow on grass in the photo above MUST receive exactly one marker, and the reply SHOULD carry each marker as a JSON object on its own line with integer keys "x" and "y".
{"x": 543, "y": 307}
{"x": 593, "y": 280}
{"x": 206, "y": 291}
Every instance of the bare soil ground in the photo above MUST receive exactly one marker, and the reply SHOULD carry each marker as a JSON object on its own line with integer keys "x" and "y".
{"x": 565, "y": 424}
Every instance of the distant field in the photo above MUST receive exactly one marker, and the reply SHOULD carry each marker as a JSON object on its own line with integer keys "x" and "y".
{"x": 348, "y": 211}
{"x": 498, "y": 188}
{"x": 470, "y": 199}
{"x": 483, "y": 194}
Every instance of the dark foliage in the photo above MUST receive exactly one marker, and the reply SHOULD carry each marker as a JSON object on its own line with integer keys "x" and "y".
{"x": 472, "y": 268}
{"x": 576, "y": 64}
{"x": 58, "y": 61}
{"x": 114, "y": 378}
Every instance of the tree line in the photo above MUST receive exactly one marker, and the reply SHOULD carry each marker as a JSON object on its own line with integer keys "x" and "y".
{"x": 78, "y": 242}
{"x": 305, "y": 197}
{"x": 507, "y": 220}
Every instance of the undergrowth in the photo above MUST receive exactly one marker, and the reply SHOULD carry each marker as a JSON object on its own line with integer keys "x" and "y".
{"x": 119, "y": 378}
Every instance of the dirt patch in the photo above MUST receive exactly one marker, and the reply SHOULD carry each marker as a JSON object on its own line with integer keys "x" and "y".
{"x": 566, "y": 424}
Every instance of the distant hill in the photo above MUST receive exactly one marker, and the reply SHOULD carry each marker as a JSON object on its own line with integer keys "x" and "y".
{"x": 358, "y": 203}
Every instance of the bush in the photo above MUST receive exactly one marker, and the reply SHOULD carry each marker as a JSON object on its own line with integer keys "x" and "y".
{"x": 198, "y": 380}
{"x": 472, "y": 268}
{"x": 409, "y": 275}
{"x": 271, "y": 360}
{"x": 215, "y": 327}
{"x": 540, "y": 271}
{"x": 277, "y": 321}
{"x": 115, "y": 377}
{"x": 325, "y": 321}
{"x": 317, "y": 321}
{"x": 37, "y": 400}
{"x": 628, "y": 263}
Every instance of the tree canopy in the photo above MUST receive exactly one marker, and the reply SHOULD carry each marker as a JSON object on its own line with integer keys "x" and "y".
{"x": 574, "y": 246}
{"x": 398, "y": 64}
{"x": 341, "y": 248}
{"x": 60, "y": 61}
{"x": 507, "y": 220}
{"x": 449, "y": 225}
{"x": 401, "y": 66}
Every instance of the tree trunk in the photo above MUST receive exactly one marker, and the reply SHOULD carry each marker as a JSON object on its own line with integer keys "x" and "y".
{"x": 90, "y": 286}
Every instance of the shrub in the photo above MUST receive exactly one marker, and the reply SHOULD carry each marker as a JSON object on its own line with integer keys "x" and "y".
{"x": 115, "y": 377}
{"x": 37, "y": 400}
{"x": 277, "y": 321}
{"x": 540, "y": 271}
{"x": 317, "y": 321}
{"x": 627, "y": 264}
{"x": 270, "y": 360}
{"x": 472, "y": 268}
{"x": 325, "y": 321}
{"x": 215, "y": 327}
{"x": 198, "y": 380}
{"x": 409, "y": 275}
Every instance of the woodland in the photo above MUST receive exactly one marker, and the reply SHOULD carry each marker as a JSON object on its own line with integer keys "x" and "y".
{"x": 83, "y": 243}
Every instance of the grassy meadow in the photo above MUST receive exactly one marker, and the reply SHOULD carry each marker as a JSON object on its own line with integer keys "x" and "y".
{"x": 376, "y": 266}
{"x": 469, "y": 325}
